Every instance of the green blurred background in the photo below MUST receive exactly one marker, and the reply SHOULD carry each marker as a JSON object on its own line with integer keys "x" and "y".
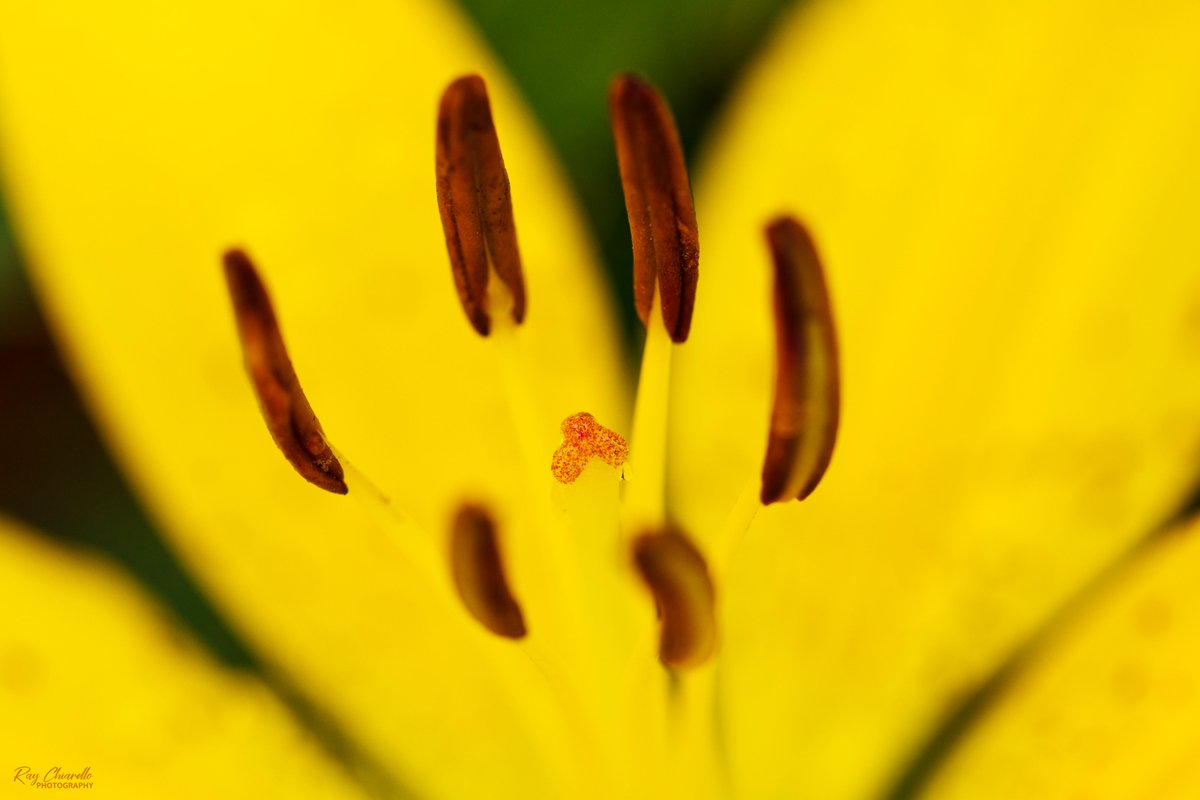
{"x": 55, "y": 473}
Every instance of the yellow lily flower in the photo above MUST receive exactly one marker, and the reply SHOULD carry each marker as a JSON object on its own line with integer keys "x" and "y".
{"x": 978, "y": 600}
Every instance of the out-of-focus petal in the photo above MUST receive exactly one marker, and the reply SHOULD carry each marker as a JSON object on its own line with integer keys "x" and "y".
{"x": 138, "y": 143}
{"x": 93, "y": 676}
{"x": 1005, "y": 197}
{"x": 1109, "y": 710}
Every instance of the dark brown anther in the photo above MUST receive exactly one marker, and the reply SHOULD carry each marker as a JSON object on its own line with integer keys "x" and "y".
{"x": 804, "y": 419}
{"x": 476, "y": 202}
{"x": 658, "y": 199}
{"x": 289, "y": 417}
{"x": 479, "y": 573}
{"x": 677, "y": 576}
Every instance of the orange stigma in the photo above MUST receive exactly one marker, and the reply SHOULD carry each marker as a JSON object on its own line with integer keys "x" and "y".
{"x": 583, "y": 439}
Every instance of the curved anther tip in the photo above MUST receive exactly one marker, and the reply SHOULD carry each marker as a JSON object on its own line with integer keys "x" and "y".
{"x": 475, "y": 202}
{"x": 472, "y": 82}
{"x": 658, "y": 200}
{"x": 677, "y": 575}
{"x": 289, "y": 417}
{"x": 805, "y": 413}
{"x": 478, "y": 572}
{"x": 241, "y": 277}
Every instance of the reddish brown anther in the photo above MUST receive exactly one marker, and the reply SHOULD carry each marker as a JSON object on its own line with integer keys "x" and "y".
{"x": 479, "y": 573}
{"x": 289, "y": 417}
{"x": 658, "y": 199}
{"x": 804, "y": 419}
{"x": 476, "y": 202}
{"x": 677, "y": 575}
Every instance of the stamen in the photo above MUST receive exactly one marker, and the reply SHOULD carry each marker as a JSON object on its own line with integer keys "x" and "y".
{"x": 479, "y": 574}
{"x": 658, "y": 199}
{"x": 677, "y": 575}
{"x": 804, "y": 420}
{"x": 646, "y": 493}
{"x": 585, "y": 438}
{"x": 476, "y": 202}
{"x": 289, "y": 417}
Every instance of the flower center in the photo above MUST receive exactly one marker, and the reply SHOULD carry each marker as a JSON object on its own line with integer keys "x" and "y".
{"x": 475, "y": 204}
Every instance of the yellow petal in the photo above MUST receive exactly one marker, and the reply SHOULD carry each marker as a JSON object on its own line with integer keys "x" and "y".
{"x": 1004, "y": 197}
{"x": 137, "y": 145}
{"x": 1109, "y": 710}
{"x": 93, "y": 676}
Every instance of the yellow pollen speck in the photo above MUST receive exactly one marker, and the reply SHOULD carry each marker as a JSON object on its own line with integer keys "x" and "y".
{"x": 583, "y": 439}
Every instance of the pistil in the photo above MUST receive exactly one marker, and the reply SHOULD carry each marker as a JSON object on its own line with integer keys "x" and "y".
{"x": 573, "y": 634}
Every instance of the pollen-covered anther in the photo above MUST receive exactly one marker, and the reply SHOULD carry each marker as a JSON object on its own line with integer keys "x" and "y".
{"x": 677, "y": 575}
{"x": 289, "y": 417}
{"x": 658, "y": 200}
{"x": 475, "y": 202}
{"x": 584, "y": 439}
{"x": 804, "y": 417}
{"x": 478, "y": 573}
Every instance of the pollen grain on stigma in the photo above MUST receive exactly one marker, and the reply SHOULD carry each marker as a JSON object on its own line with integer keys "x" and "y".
{"x": 584, "y": 439}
